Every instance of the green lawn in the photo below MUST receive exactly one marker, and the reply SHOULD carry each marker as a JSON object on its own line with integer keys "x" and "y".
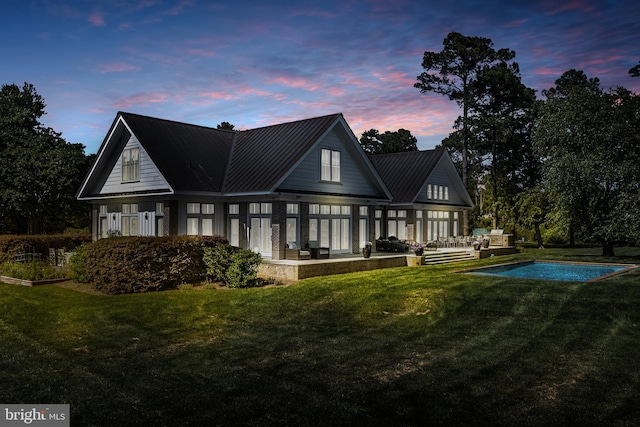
{"x": 405, "y": 346}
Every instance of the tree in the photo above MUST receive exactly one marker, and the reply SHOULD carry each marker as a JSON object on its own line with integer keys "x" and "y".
{"x": 39, "y": 171}
{"x": 588, "y": 138}
{"x": 501, "y": 123}
{"x": 372, "y": 142}
{"x": 635, "y": 71}
{"x": 532, "y": 207}
{"x": 225, "y": 126}
{"x": 452, "y": 72}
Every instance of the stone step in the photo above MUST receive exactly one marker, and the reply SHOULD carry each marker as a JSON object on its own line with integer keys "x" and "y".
{"x": 446, "y": 257}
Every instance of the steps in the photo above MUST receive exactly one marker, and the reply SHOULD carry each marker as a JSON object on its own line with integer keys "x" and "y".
{"x": 434, "y": 257}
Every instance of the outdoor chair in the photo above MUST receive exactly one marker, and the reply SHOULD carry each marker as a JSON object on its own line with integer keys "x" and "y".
{"x": 317, "y": 252}
{"x": 295, "y": 252}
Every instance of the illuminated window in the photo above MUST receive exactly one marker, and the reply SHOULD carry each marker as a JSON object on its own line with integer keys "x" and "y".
{"x": 131, "y": 165}
{"x": 330, "y": 165}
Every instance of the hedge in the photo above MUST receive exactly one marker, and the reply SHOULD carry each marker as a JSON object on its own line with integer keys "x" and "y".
{"x": 12, "y": 245}
{"x": 141, "y": 264}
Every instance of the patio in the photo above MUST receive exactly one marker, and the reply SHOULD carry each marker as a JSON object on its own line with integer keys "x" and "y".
{"x": 290, "y": 271}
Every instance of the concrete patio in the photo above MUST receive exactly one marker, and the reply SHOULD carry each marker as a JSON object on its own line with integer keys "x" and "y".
{"x": 290, "y": 271}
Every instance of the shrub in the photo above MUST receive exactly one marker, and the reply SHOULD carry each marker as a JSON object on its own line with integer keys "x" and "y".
{"x": 142, "y": 264}
{"x": 12, "y": 245}
{"x": 31, "y": 271}
{"x": 217, "y": 260}
{"x": 78, "y": 264}
{"x": 243, "y": 269}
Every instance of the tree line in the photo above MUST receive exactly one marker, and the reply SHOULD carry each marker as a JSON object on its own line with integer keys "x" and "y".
{"x": 40, "y": 172}
{"x": 567, "y": 164}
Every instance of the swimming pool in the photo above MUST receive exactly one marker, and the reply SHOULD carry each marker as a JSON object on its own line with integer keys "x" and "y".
{"x": 554, "y": 270}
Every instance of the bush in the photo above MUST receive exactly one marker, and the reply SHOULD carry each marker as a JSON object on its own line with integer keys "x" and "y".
{"x": 143, "y": 264}
{"x": 12, "y": 245}
{"x": 217, "y": 260}
{"x": 243, "y": 269}
{"x": 78, "y": 264}
{"x": 31, "y": 271}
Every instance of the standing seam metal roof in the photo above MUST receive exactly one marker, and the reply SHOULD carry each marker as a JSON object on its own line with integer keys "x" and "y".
{"x": 406, "y": 173}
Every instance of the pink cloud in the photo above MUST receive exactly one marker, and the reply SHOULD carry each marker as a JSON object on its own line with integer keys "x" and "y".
{"x": 217, "y": 95}
{"x": 296, "y": 82}
{"x": 117, "y": 67}
{"x": 97, "y": 19}
{"x": 516, "y": 24}
{"x": 179, "y": 8}
{"x": 140, "y": 99}
{"x": 555, "y": 7}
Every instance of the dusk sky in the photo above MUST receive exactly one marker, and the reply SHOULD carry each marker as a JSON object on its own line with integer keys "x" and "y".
{"x": 256, "y": 63}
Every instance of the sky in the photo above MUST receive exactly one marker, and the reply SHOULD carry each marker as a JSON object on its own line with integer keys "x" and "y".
{"x": 257, "y": 63}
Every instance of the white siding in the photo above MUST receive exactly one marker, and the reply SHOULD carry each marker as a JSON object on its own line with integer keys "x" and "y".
{"x": 150, "y": 176}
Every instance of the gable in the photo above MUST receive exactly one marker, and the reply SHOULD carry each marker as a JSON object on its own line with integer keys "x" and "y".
{"x": 151, "y": 180}
{"x": 409, "y": 174}
{"x": 357, "y": 177}
{"x": 445, "y": 175}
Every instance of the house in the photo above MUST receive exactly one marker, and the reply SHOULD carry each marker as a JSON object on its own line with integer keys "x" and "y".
{"x": 307, "y": 182}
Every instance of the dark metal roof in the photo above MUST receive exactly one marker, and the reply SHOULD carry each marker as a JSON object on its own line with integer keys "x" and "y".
{"x": 190, "y": 157}
{"x": 406, "y": 173}
{"x": 262, "y": 156}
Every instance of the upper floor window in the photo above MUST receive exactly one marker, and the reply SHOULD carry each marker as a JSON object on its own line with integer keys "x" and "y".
{"x": 131, "y": 165}
{"x": 437, "y": 192}
{"x": 330, "y": 165}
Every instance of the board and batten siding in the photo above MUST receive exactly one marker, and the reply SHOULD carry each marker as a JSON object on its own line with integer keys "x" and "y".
{"x": 441, "y": 175}
{"x": 355, "y": 178}
{"x": 150, "y": 177}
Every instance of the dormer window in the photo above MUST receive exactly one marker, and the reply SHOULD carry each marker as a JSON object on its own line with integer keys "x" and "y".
{"x": 330, "y": 165}
{"x": 131, "y": 165}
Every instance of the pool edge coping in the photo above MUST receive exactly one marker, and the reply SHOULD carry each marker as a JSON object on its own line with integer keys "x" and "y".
{"x": 628, "y": 268}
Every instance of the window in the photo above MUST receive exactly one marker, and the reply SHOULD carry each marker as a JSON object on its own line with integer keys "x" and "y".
{"x": 207, "y": 227}
{"x": 207, "y": 208}
{"x": 192, "y": 226}
{"x": 331, "y": 226}
{"x": 437, "y": 192}
{"x": 193, "y": 208}
{"x": 159, "y": 219}
{"x": 330, "y": 165}
{"x": 234, "y": 225}
{"x": 397, "y": 224}
{"x": 131, "y": 165}
{"x": 129, "y": 225}
{"x": 292, "y": 222}
{"x": 199, "y": 220}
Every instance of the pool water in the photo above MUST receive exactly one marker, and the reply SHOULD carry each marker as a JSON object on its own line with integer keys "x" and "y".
{"x": 572, "y": 272}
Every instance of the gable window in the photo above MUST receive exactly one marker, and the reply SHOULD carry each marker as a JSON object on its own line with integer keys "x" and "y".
{"x": 330, "y": 165}
{"x": 131, "y": 165}
{"x": 437, "y": 192}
